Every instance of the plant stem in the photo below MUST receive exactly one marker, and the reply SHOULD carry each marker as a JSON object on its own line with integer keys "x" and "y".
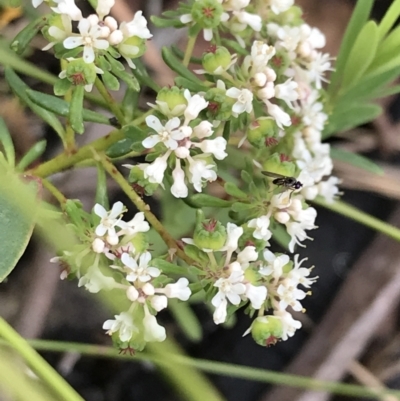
{"x": 62, "y": 200}
{"x": 189, "y": 50}
{"x": 38, "y": 364}
{"x": 226, "y": 369}
{"x": 362, "y": 217}
{"x": 114, "y": 107}
{"x": 142, "y": 207}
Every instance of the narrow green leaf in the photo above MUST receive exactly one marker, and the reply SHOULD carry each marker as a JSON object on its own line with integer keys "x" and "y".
{"x": 356, "y": 160}
{"x": 169, "y": 268}
{"x": 280, "y": 235}
{"x": 19, "y": 88}
{"x": 24, "y": 37}
{"x": 129, "y": 79}
{"x": 165, "y": 23}
{"x": 101, "y": 189}
{"x": 241, "y": 207}
{"x": 235, "y": 46}
{"x": 140, "y": 72}
{"x": 233, "y": 190}
{"x": 186, "y": 319}
{"x": 355, "y": 115}
{"x": 195, "y": 253}
{"x": 129, "y": 104}
{"x": 175, "y": 64}
{"x": 75, "y": 116}
{"x": 61, "y": 107}
{"x": 7, "y": 143}
{"x": 110, "y": 81}
{"x": 204, "y": 200}
{"x": 358, "y": 19}
{"x": 361, "y": 55}
{"x": 392, "y": 14}
{"x": 32, "y": 154}
{"x": 180, "y": 54}
{"x": 120, "y": 148}
{"x": 16, "y": 224}
{"x": 188, "y": 84}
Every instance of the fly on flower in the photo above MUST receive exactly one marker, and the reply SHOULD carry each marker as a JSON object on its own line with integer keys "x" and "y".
{"x": 284, "y": 181}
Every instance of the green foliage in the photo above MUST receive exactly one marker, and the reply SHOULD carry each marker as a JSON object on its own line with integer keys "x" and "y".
{"x": 7, "y": 143}
{"x": 356, "y": 160}
{"x": 32, "y": 155}
{"x": 204, "y": 200}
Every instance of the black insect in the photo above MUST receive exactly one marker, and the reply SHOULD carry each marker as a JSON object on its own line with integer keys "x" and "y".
{"x": 283, "y": 181}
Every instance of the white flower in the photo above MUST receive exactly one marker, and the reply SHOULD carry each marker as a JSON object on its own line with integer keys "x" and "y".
{"x": 280, "y": 6}
{"x": 231, "y": 288}
{"x": 152, "y": 330}
{"x": 215, "y": 146}
{"x": 299, "y": 275}
{"x": 168, "y": 135}
{"x": 256, "y": 294}
{"x": 109, "y": 220}
{"x": 137, "y": 225}
{"x": 154, "y": 172}
{"x": 88, "y": 39}
{"x": 103, "y": 7}
{"x": 98, "y": 245}
{"x": 69, "y": 8}
{"x": 235, "y": 5}
{"x": 287, "y": 92}
{"x": 136, "y": 27}
{"x": 282, "y": 118}
{"x": 297, "y": 231}
{"x": 132, "y": 293}
{"x": 141, "y": 272}
{"x": 274, "y": 266}
{"x": 195, "y": 104}
{"x": 289, "y": 296}
{"x": 159, "y": 302}
{"x": 252, "y": 20}
{"x": 59, "y": 34}
{"x": 178, "y": 290}
{"x": 233, "y": 234}
{"x": 261, "y": 225}
{"x": 122, "y": 323}
{"x": 179, "y": 188}
{"x": 289, "y": 325}
{"x": 247, "y": 255}
{"x": 94, "y": 280}
{"x": 220, "y": 312}
{"x": 329, "y": 189}
{"x": 203, "y": 130}
{"x": 200, "y": 170}
{"x": 244, "y": 100}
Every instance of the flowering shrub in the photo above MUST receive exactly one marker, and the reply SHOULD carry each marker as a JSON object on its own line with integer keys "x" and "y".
{"x": 257, "y": 104}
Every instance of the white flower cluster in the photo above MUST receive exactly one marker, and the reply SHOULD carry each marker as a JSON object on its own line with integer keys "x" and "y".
{"x": 97, "y": 32}
{"x": 191, "y": 145}
{"x": 118, "y": 246}
{"x": 267, "y": 282}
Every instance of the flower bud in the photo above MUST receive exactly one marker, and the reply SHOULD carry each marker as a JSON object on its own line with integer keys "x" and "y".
{"x": 210, "y": 234}
{"x": 266, "y": 330}
{"x": 207, "y": 13}
{"x": 260, "y": 129}
{"x": 171, "y": 101}
{"x": 80, "y": 73}
{"x": 132, "y": 47}
{"x": 218, "y": 61}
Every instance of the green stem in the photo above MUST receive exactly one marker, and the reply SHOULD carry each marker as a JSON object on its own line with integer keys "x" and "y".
{"x": 38, "y": 364}
{"x": 114, "y": 107}
{"x": 362, "y": 217}
{"x": 219, "y": 368}
{"x": 62, "y": 200}
{"x": 189, "y": 50}
{"x": 142, "y": 207}
{"x": 70, "y": 146}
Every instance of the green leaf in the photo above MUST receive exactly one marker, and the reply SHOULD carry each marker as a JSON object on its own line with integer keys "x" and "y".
{"x": 233, "y": 190}
{"x": 129, "y": 79}
{"x": 187, "y": 84}
{"x": 353, "y": 116}
{"x": 204, "y": 200}
{"x": 358, "y": 19}
{"x": 241, "y": 207}
{"x": 175, "y": 64}
{"x": 140, "y": 72}
{"x": 280, "y": 235}
{"x": 32, "y": 154}
{"x": 165, "y": 23}
{"x": 19, "y": 88}
{"x": 110, "y": 81}
{"x": 75, "y": 115}
{"x": 180, "y": 54}
{"x": 7, "y": 143}
{"x": 356, "y": 160}
{"x": 246, "y": 177}
{"x": 361, "y": 55}
{"x": 195, "y": 253}
{"x": 101, "y": 189}
{"x": 169, "y": 268}
{"x": 120, "y": 148}
{"x": 392, "y": 14}
{"x": 186, "y": 319}
{"x": 235, "y": 46}
{"x": 61, "y": 107}
{"x": 16, "y": 223}
{"x": 24, "y": 37}
{"x": 130, "y": 104}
